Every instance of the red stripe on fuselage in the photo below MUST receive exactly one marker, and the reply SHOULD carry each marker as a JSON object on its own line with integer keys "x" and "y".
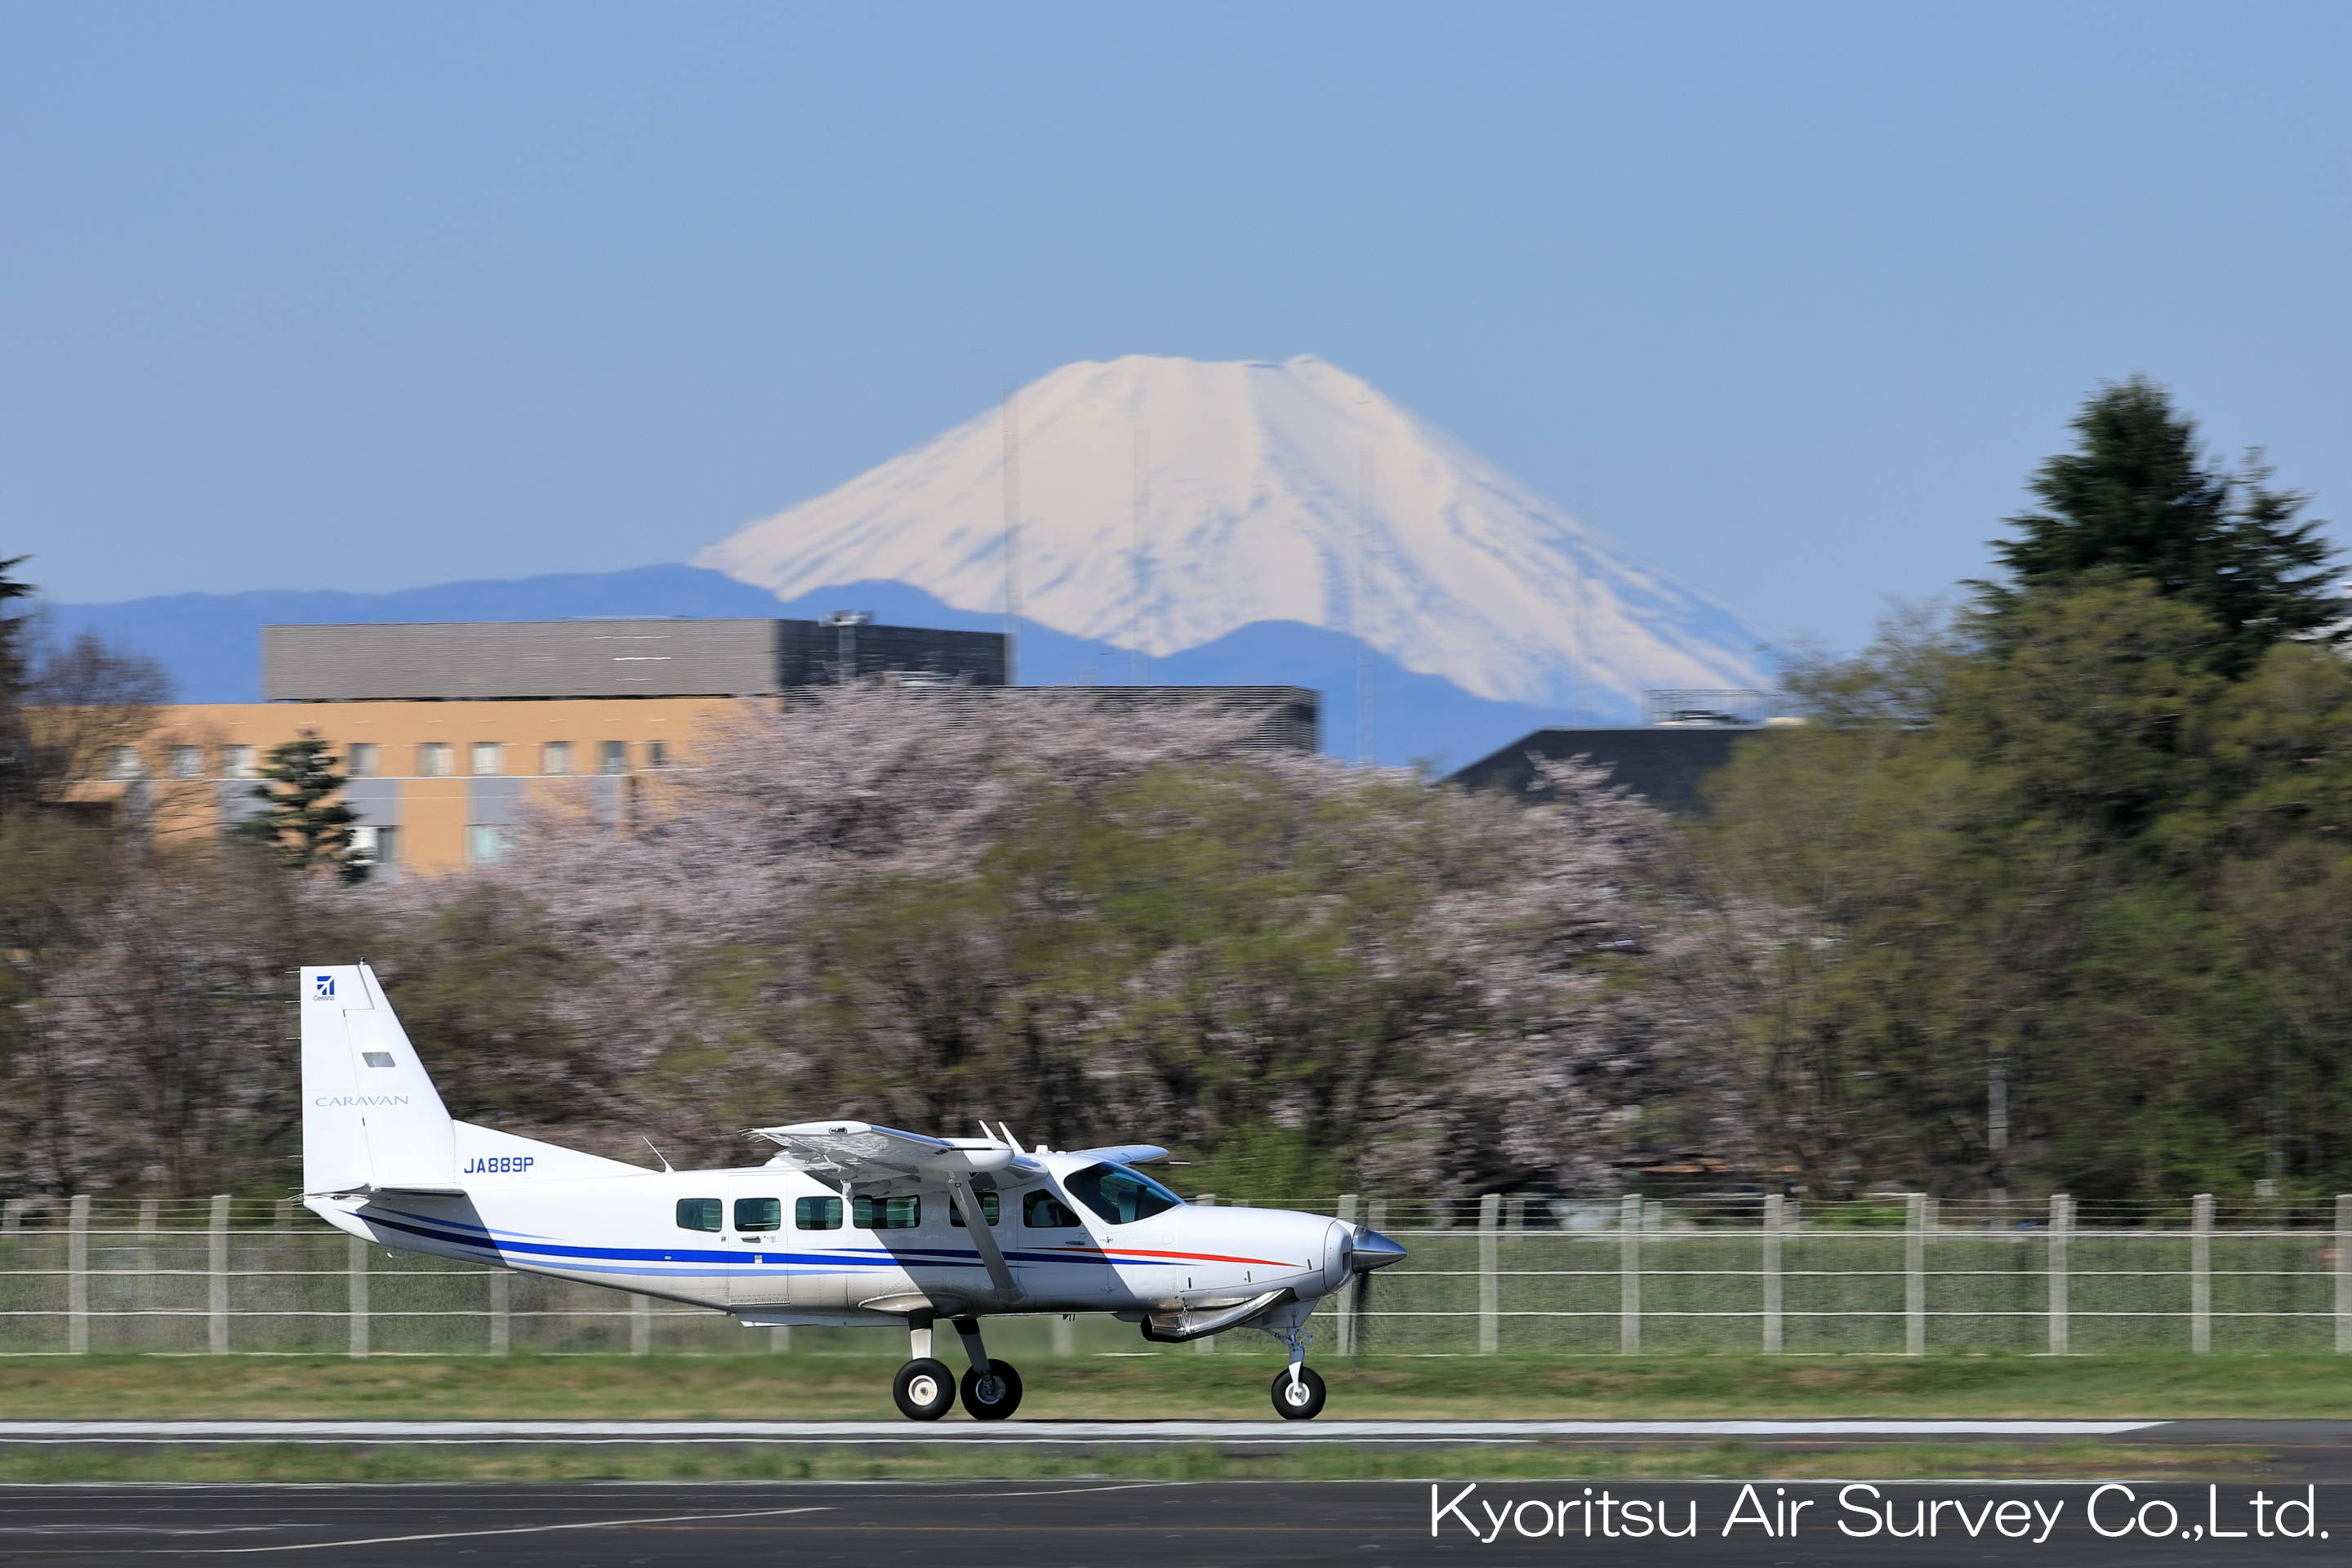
{"x": 1204, "y": 1257}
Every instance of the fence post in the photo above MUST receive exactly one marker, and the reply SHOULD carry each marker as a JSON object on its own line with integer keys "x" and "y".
{"x": 1490, "y": 1283}
{"x": 150, "y": 1217}
{"x": 2200, "y": 1276}
{"x": 2343, "y": 1274}
{"x": 641, "y": 1325}
{"x": 501, "y": 1312}
{"x": 1377, "y": 1217}
{"x": 1629, "y": 1275}
{"x": 1914, "y": 1274}
{"x": 2061, "y": 1240}
{"x": 12, "y": 1216}
{"x": 77, "y": 1275}
{"x": 1345, "y": 1304}
{"x": 357, "y": 1270}
{"x": 216, "y": 1278}
{"x": 1772, "y": 1323}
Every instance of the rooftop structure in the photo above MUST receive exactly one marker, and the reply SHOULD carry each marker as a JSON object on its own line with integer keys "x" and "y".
{"x": 495, "y": 660}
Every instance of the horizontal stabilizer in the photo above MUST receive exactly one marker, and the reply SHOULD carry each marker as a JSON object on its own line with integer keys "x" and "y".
{"x": 370, "y": 1190}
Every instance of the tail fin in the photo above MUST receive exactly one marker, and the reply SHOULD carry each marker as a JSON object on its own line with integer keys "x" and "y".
{"x": 371, "y": 1116}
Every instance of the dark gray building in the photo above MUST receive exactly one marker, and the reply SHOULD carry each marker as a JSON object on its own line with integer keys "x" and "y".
{"x": 1292, "y": 716}
{"x": 452, "y": 661}
{"x": 1665, "y": 764}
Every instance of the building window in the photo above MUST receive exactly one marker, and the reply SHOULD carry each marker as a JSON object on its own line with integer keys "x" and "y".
{"x": 374, "y": 846}
{"x": 187, "y": 762}
{"x": 555, "y": 757}
{"x": 236, "y": 762}
{"x": 613, "y": 757}
{"x": 123, "y": 762}
{"x": 432, "y": 759}
{"x": 656, "y": 754}
{"x": 485, "y": 844}
{"x": 363, "y": 764}
{"x": 485, "y": 759}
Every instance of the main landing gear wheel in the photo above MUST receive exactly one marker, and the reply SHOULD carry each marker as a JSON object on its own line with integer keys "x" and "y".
{"x": 1301, "y": 1401}
{"x": 923, "y": 1389}
{"x": 993, "y": 1395}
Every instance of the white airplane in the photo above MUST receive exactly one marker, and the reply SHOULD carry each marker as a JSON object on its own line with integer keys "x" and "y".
{"x": 848, "y": 1225}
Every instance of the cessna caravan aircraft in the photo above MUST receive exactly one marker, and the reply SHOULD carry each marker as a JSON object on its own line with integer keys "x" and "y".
{"x": 847, "y": 1224}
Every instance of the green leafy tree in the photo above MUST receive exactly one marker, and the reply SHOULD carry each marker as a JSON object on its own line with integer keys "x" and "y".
{"x": 2099, "y": 873}
{"x": 302, "y": 823}
{"x": 2137, "y": 495}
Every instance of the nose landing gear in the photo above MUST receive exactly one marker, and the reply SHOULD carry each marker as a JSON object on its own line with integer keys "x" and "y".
{"x": 1298, "y": 1393}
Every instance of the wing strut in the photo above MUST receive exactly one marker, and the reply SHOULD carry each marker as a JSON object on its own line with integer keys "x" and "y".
{"x": 976, "y": 1224}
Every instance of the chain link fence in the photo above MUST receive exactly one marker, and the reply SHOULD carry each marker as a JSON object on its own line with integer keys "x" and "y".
{"x": 1901, "y": 1276}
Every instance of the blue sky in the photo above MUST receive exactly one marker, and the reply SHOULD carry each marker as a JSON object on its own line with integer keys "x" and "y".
{"x": 1789, "y": 297}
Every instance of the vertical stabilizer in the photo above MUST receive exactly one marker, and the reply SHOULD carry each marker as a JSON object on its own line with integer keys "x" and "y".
{"x": 371, "y": 1116}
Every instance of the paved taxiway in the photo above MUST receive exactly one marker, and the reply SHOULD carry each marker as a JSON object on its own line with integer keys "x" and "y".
{"x": 1036, "y": 1525}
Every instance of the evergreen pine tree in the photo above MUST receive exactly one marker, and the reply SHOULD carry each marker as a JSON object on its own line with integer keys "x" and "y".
{"x": 307, "y": 828}
{"x": 2138, "y": 497}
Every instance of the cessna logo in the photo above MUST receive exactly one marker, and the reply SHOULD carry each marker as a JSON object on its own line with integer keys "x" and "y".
{"x": 361, "y": 1099}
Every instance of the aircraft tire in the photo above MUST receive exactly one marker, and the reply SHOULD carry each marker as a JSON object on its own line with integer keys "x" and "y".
{"x": 997, "y": 1401}
{"x": 1304, "y": 1404}
{"x": 924, "y": 1389}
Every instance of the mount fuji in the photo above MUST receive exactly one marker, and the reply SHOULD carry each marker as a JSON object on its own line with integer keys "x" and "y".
{"x": 1181, "y": 523}
{"x": 1163, "y": 504}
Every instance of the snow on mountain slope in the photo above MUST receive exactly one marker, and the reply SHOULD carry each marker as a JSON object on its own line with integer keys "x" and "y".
{"x": 1165, "y": 503}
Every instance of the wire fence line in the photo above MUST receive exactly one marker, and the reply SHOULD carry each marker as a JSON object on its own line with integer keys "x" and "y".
{"x": 1901, "y": 1276}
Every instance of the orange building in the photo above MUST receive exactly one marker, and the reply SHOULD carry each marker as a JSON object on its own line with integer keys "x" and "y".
{"x": 436, "y": 785}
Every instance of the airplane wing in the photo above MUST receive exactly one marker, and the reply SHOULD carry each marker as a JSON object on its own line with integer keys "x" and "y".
{"x": 882, "y": 1160}
{"x": 874, "y": 1158}
{"x": 1124, "y": 1154}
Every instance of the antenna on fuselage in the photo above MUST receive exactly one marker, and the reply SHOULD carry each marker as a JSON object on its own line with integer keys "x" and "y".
{"x": 1011, "y": 1141}
{"x": 657, "y": 1154}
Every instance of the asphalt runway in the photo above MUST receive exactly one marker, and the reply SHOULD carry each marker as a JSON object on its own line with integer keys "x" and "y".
{"x": 1118, "y": 1524}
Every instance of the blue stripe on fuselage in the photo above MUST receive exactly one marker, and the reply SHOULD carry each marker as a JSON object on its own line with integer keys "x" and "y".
{"x": 840, "y": 1260}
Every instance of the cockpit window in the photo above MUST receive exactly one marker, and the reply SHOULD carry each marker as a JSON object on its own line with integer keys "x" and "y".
{"x": 1120, "y": 1196}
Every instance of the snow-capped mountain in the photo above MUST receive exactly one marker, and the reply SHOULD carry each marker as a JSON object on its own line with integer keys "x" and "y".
{"x": 1163, "y": 503}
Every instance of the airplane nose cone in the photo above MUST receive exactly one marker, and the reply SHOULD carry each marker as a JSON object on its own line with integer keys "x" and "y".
{"x": 1374, "y": 1250}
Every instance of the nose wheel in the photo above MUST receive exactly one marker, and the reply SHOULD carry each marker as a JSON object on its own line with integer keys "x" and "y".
{"x": 1300, "y": 1399}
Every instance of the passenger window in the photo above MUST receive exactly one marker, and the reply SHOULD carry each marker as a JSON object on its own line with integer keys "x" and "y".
{"x": 816, "y": 1214}
{"x": 1120, "y": 1196}
{"x": 698, "y": 1214}
{"x": 987, "y": 1209}
{"x": 759, "y": 1213}
{"x": 889, "y": 1214}
{"x": 1041, "y": 1210}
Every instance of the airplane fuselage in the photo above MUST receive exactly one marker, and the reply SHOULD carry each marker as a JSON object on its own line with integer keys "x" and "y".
{"x": 777, "y": 1246}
